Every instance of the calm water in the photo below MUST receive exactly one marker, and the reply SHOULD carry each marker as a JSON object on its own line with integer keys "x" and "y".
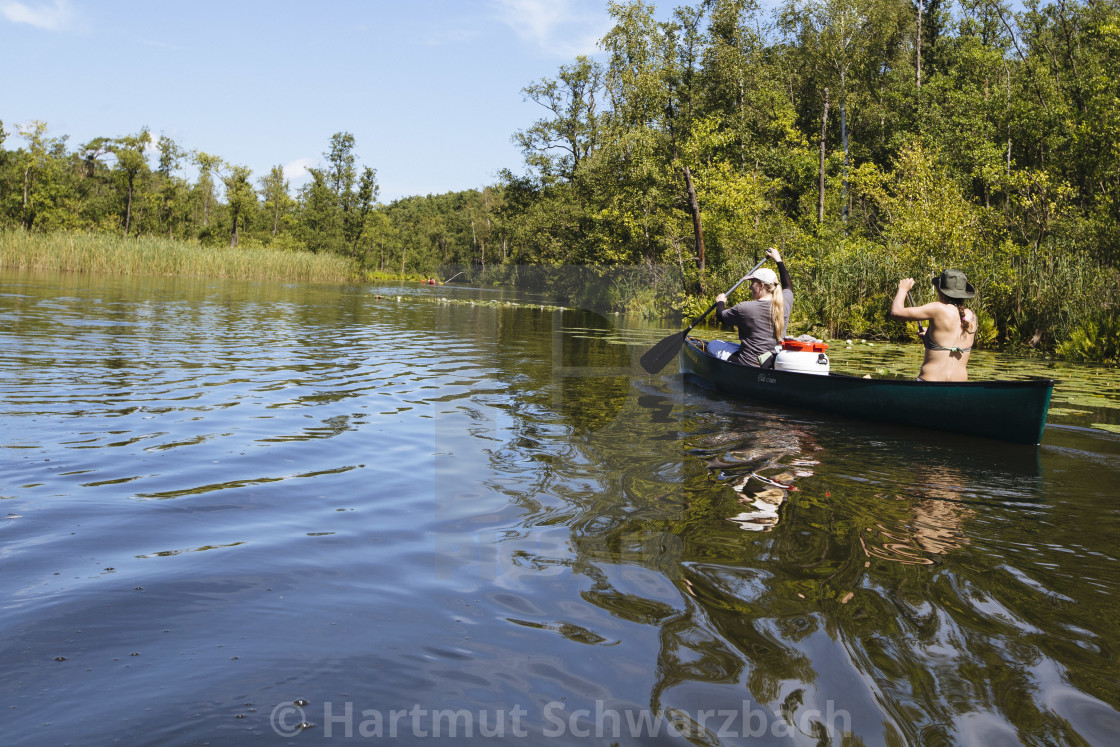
{"x": 409, "y": 512}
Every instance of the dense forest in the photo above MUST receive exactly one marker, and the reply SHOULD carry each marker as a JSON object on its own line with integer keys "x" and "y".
{"x": 869, "y": 139}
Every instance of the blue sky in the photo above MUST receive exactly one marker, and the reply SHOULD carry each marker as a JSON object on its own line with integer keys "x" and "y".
{"x": 430, "y": 89}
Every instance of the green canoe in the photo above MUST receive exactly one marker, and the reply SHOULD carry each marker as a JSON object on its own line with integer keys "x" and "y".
{"x": 1005, "y": 410}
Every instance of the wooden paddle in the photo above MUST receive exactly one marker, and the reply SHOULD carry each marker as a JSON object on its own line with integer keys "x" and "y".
{"x": 657, "y": 357}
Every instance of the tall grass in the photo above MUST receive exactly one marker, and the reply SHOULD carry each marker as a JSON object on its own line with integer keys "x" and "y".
{"x": 115, "y": 255}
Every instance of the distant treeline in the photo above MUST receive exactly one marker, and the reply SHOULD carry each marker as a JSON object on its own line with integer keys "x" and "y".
{"x": 868, "y": 139}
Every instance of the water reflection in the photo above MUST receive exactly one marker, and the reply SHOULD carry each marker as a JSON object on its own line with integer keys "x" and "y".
{"x": 762, "y": 473}
{"x": 932, "y": 523}
{"x": 487, "y": 506}
{"x": 843, "y": 520}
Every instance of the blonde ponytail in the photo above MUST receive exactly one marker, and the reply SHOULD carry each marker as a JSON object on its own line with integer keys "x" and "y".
{"x": 777, "y": 311}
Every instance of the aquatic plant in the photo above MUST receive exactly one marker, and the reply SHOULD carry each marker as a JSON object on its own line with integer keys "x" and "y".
{"x": 115, "y": 255}
{"x": 1098, "y": 339}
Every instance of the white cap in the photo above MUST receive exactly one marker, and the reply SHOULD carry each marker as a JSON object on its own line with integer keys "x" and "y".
{"x": 765, "y": 274}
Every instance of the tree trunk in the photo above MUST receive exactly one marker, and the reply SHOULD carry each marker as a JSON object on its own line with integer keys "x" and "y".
{"x": 694, "y": 209}
{"x": 820, "y": 190}
{"x": 128, "y": 210}
{"x": 844, "y": 138}
{"x": 918, "y": 48}
{"x": 739, "y": 107}
{"x": 844, "y": 142}
{"x": 26, "y": 185}
{"x": 489, "y": 232}
{"x": 233, "y": 235}
{"x": 1007, "y": 197}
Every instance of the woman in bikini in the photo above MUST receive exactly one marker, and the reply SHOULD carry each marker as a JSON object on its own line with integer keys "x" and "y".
{"x": 952, "y": 328}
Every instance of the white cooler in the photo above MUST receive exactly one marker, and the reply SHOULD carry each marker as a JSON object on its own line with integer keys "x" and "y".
{"x": 802, "y": 357}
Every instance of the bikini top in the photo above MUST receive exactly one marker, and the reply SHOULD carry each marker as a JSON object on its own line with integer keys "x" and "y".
{"x": 931, "y": 345}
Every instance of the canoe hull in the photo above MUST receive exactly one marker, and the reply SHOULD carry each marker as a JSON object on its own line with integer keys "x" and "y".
{"x": 1013, "y": 411}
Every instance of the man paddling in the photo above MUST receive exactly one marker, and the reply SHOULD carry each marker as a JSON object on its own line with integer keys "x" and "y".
{"x": 952, "y": 327}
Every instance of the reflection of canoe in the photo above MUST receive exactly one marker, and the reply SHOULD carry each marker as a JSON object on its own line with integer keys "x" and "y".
{"x": 1006, "y": 410}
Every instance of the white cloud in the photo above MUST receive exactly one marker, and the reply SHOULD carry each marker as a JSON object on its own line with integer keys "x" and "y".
{"x": 296, "y": 171}
{"x": 55, "y": 16}
{"x": 151, "y": 148}
{"x": 564, "y": 28}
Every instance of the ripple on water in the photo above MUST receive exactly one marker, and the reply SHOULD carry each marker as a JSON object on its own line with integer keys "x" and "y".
{"x": 272, "y": 495}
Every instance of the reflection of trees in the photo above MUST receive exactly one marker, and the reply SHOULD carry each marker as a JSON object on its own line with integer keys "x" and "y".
{"x": 582, "y": 375}
{"x": 574, "y": 385}
{"x": 671, "y": 515}
{"x": 921, "y": 616}
{"x": 870, "y": 553}
{"x": 865, "y": 563}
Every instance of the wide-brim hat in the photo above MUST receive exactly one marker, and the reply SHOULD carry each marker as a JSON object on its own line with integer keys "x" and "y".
{"x": 953, "y": 284}
{"x": 765, "y": 274}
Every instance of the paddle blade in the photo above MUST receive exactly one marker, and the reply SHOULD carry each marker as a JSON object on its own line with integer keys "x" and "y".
{"x": 657, "y": 357}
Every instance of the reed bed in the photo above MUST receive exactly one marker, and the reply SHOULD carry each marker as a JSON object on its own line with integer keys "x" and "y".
{"x": 116, "y": 255}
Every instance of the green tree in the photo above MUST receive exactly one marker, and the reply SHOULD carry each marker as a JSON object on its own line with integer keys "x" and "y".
{"x": 318, "y": 213}
{"x": 340, "y": 173}
{"x": 170, "y": 156}
{"x": 926, "y": 220}
{"x": 277, "y": 200}
{"x": 383, "y": 240}
{"x": 207, "y": 165}
{"x": 44, "y": 198}
{"x": 555, "y": 146}
{"x": 683, "y": 41}
{"x": 635, "y": 175}
{"x": 172, "y": 189}
{"x": 131, "y": 164}
{"x": 335, "y": 205}
{"x": 839, "y": 40}
{"x": 240, "y": 198}
{"x": 94, "y": 185}
{"x": 36, "y": 161}
{"x": 355, "y": 217}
